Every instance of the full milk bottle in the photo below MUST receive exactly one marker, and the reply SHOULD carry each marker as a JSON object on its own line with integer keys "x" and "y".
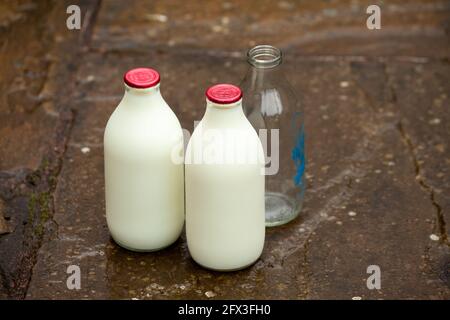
{"x": 144, "y": 180}
{"x": 225, "y": 226}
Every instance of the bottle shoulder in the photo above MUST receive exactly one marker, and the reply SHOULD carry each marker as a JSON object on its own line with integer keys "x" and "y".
{"x": 154, "y": 115}
{"x": 134, "y": 128}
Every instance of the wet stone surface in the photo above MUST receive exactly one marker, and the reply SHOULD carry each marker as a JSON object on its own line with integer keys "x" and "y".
{"x": 376, "y": 107}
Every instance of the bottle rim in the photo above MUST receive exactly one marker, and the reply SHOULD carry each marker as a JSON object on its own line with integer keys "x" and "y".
{"x": 264, "y": 56}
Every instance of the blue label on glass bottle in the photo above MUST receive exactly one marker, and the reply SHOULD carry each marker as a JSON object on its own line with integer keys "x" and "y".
{"x": 298, "y": 155}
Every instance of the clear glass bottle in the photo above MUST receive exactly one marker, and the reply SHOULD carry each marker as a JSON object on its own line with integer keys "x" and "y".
{"x": 270, "y": 103}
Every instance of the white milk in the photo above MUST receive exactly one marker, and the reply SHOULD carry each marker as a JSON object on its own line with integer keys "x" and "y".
{"x": 225, "y": 223}
{"x": 144, "y": 182}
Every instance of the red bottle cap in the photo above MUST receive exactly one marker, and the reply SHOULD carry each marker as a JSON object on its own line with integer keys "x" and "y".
{"x": 141, "y": 78}
{"x": 223, "y": 93}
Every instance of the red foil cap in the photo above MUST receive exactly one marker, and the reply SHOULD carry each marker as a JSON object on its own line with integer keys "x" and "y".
{"x": 223, "y": 93}
{"x": 141, "y": 78}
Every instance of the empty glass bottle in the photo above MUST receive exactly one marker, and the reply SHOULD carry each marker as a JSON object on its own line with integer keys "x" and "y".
{"x": 273, "y": 109}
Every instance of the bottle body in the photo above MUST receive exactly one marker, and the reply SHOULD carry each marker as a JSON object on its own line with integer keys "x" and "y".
{"x": 276, "y": 113}
{"x": 144, "y": 179}
{"x": 225, "y": 227}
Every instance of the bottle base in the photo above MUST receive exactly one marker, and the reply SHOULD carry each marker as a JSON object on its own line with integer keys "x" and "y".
{"x": 120, "y": 244}
{"x": 226, "y": 270}
{"x": 280, "y": 209}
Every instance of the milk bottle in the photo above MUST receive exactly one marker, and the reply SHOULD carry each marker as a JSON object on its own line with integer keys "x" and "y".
{"x": 225, "y": 226}
{"x": 144, "y": 182}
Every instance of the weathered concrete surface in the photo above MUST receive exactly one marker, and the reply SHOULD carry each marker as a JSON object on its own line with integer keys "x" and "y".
{"x": 376, "y": 105}
{"x": 37, "y": 57}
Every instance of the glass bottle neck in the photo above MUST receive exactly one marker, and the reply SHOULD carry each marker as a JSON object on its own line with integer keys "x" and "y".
{"x": 264, "y": 70}
{"x": 261, "y": 78}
